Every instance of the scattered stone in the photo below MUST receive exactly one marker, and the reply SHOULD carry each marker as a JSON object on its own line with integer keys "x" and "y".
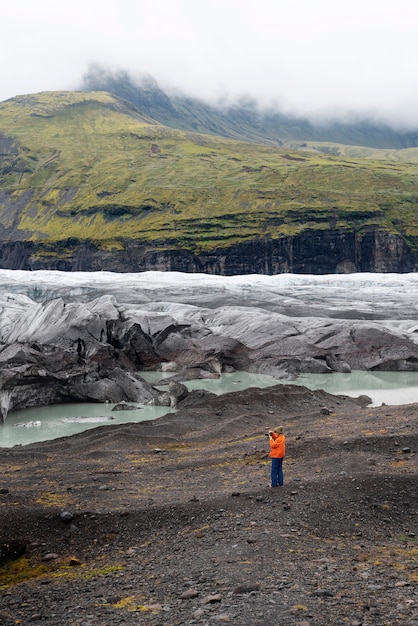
{"x": 189, "y": 594}
{"x": 323, "y": 593}
{"x": 406, "y": 450}
{"x": 246, "y": 588}
{"x": 152, "y": 607}
{"x": 364, "y": 400}
{"x": 66, "y": 516}
{"x": 114, "y": 599}
{"x": 200, "y": 534}
{"x": 299, "y": 608}
{"x": 51, "y": 556}
{"x": 212, "y": 599}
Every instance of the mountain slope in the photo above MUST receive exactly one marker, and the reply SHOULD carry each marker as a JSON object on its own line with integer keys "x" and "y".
{"x": 87, "y": 168}
{"x": 243, "y": 120}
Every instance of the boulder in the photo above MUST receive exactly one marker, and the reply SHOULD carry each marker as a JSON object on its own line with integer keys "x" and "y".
{"x": 337, "y": 365}
{"x": 124, "y": 406}
{"x": 177, "y": 393}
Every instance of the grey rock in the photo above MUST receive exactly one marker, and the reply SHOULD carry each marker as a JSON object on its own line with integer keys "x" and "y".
{"x": 51, "y": 556}
{"x": 246, "y": 588}
{"x": 177, "y": 392}
{"x": 124, "y": 406}
{"x": 323, "y": 593}
{"x": 212, "y": 599}
{"x": 189, "y": 594}
{"x": 66, "y": 516}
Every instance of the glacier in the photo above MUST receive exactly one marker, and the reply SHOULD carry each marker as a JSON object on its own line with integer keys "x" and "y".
{"x": 83, "y": 336}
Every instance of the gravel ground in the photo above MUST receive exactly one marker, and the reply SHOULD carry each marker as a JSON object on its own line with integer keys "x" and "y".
{"x": 172, "y": 522}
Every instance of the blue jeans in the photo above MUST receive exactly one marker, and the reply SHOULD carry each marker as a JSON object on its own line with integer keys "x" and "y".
{"x": 276, "y": 472}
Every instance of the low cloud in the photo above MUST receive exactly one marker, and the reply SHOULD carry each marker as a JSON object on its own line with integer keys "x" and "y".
{"x": 322, "y": 59}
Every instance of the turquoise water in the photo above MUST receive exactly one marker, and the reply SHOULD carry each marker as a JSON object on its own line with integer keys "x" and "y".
{"x": 381, "y": 387}
{"x": 51, "y": 422}
{"x": 62, "y": 420}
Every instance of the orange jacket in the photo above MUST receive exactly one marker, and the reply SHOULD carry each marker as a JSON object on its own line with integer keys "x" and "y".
{"x": 277, "y": 446}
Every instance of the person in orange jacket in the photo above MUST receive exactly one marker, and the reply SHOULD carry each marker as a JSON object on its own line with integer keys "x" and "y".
{"x": 277, "y": 442}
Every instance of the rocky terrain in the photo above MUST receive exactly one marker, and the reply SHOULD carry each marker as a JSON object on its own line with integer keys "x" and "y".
{"x": 172, "y": 522}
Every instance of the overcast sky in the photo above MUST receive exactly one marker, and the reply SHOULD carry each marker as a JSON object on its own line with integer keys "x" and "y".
{"x": 315, "y": 57}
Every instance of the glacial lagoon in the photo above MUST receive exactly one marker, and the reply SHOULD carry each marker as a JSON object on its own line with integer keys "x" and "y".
{"x": 51, "y": 422}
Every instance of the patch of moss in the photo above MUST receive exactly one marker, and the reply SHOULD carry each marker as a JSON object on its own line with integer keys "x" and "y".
{"x": 53, "y": 498}
{"x": 106, "y": 570}
{"x": 14, "y": 572}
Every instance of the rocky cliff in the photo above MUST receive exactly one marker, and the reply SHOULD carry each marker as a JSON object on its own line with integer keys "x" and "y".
{"x": 311, "y": 252}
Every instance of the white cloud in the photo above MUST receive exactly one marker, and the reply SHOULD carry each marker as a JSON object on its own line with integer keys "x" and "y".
{"x": 311, "y": 56}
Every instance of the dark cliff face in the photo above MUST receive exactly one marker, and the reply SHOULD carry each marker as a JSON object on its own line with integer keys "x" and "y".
{"x": 312, "y": 252}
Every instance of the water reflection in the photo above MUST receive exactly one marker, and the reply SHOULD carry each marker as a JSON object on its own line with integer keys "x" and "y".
{"x": 44, "y": 423}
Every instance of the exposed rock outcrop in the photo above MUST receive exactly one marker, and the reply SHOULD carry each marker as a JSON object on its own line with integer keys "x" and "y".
{"x": 311, "y": 252}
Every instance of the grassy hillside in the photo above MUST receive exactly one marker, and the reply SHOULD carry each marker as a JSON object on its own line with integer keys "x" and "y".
{"x": 87, "y": 165}
{"x": 243, "y": 120}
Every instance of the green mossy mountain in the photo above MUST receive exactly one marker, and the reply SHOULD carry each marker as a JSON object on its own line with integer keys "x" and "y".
{"x": 87, "y": 176}
{"x": 244, "y": 119}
